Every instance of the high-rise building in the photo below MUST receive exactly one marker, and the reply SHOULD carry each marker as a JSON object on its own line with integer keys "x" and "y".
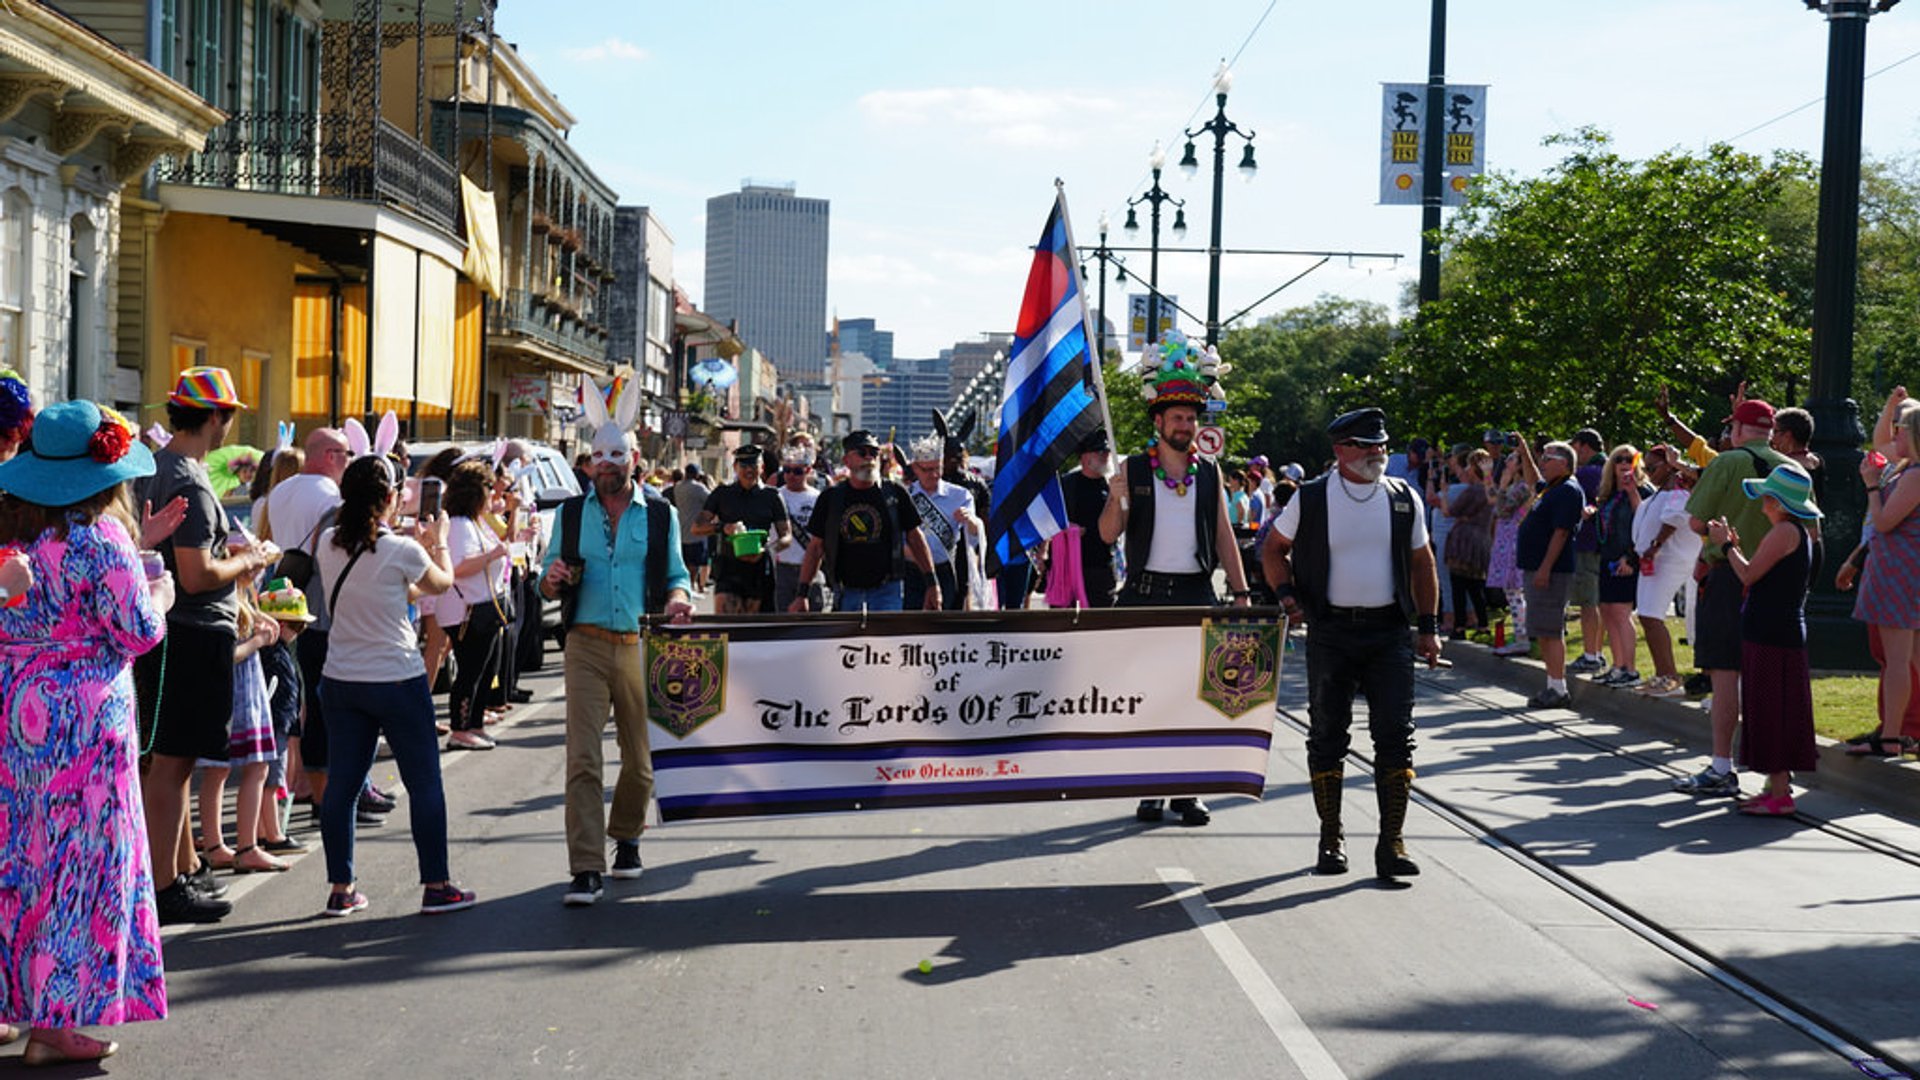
{"x": 862, "y": 336}
{"x": 902, "y": 398}
{"x": 970, "y": 356}
{"x": 767, "y": 268}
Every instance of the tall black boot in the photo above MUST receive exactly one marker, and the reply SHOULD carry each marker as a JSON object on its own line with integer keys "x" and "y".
{"x": 1395, "y": 788}
{"x": 1326, "y": 803}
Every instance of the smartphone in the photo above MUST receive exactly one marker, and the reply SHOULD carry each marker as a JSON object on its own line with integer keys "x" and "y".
{"x": 430, "y": 497}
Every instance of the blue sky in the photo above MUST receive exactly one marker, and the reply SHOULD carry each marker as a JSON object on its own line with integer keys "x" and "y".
{"x": 937, "y": 128}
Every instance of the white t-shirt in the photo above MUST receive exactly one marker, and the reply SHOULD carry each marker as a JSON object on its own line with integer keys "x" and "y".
{"x": 799, "y": 511}
{"x": 1176, "y": 541}
{"x": 1667, "y": 508}
{"x": 465, "y": 539}
{"x": 296, "y": 504}
{"x": 1359, "y": 541}
{"x": 372, "y": 640}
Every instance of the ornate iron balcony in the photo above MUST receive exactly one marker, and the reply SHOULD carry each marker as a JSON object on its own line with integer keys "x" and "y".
{"x": 533, "y": 317}
{"x": 336, "y": 155}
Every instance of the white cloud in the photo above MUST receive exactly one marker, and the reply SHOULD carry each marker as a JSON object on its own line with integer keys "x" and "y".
{"x": 608, "y": 49}
{"x": 876, "y": 269}
{"x": 1004, "y": 117}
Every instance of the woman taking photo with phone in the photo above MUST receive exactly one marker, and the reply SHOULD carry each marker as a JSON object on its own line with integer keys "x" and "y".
{"x": 470, "y": 613}
{"x": 374, "y": 682}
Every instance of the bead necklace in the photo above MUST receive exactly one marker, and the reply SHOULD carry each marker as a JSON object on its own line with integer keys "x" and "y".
{"x": 1178, "y": 487}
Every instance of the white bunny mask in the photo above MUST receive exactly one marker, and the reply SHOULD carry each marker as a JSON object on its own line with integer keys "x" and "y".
{"x": 612, "y": 434}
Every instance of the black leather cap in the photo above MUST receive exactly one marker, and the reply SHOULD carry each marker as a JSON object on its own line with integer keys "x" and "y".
{"x": 859, "y": 440}
{"x": 1367, "y": 425}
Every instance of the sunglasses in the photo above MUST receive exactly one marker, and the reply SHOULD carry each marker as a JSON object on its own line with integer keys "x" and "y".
{"x": 794, "y": 470}
{"x": 861, "y": 451}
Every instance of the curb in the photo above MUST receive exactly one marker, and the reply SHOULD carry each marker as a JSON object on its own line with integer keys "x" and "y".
{"x": 1888, "y": 784}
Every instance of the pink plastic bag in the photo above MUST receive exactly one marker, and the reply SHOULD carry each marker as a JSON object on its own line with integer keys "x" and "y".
{"x": 1066, "y": 586}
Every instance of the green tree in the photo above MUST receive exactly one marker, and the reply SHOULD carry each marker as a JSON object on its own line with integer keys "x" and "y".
{"x": 1284, "y": 366}
{"x": 1572, "y": 296}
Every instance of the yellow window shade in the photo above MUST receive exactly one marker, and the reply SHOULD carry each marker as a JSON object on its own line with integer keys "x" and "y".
{"x": 312, "y": 351}
{"x": 434, "y": 386}
{"x": 353, "y": 349}
{"x": 482, "y": 265}
{"x": 467, "y": 358}
{"x": 396, "y": 278}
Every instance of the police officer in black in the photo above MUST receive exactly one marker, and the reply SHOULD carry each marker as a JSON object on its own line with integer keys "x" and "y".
{"x": 1172, "y": 493}
{"x": 1349, "y": 556}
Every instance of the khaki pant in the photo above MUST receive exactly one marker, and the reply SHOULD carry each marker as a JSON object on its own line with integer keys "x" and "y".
{"x": 601, "y": 674}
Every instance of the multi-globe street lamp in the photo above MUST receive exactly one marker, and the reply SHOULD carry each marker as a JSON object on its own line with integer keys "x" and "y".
{"x": 1219, "y": 127}
{"x": 1155, "y": 195}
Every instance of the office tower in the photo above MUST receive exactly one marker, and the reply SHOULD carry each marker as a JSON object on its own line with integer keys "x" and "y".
{"x": 862, "y": 336}
{"x": 767, "y": 268}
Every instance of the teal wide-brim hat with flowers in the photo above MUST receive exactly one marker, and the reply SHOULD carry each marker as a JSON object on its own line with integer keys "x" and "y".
{"x": 1789, "y": 484}
{"x": 76, "y": 450}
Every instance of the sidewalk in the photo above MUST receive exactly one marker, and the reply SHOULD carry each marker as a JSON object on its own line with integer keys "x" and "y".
{"x": 1888, "y": 784}
{"x": 1821, "y": 911}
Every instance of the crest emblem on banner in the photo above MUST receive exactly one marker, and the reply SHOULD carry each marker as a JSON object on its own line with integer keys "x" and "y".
{"x": 1239, "y": 665}
{"x": 686, "y": 681}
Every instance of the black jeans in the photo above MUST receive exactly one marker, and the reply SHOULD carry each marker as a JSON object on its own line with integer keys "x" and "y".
{"x": 1469, "y": 594}
{"x": 1352, "y": 654}
{"x": 476, "y": 657}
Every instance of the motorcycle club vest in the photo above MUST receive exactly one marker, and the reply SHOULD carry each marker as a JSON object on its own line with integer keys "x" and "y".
{"x": 1206, "y": 510}
{"x": 1312, "y": 550}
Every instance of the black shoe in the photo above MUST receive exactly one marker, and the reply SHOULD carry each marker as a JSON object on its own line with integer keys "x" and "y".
{"x": 520, "y": 697}
{"x": 373, "y": 801}
{"x": 1390, "y": 861}
{"x": 1149, "y": 811}
{"x": 626, "y": 860}
{"x": 203, "y": 882}
{"x": 1699, "y": 684}
{"x": 286, "y": 845}
{"x": 361, "y": 817}
{"x": 1192, "y": 812}
{"x": 180, "y": 903}
{"x": 584, "y": 890}
{"x": 1333, "y": 858}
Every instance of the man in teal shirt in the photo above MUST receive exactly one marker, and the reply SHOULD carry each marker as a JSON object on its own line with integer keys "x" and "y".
{"x": 603, "y": 662}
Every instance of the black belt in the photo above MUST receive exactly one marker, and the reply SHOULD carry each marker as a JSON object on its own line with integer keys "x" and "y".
{"x": 1150, "y": 577}
{"x": 1365, "y": 614}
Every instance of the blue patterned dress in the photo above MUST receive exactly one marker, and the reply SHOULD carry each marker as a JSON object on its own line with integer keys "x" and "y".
{"x": 1890, "y": 587}
{"x": 79, "y": 939}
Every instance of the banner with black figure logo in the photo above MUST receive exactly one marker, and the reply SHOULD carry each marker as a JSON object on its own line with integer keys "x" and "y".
{"x": 756, "y": 716}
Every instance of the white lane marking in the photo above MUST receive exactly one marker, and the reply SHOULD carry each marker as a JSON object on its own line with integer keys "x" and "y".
{"x": 1295, "y": 1037}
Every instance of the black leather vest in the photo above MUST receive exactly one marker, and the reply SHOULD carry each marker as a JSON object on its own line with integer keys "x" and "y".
{"x": 1312, "y": 553}
{"x": 1206, "y": 510}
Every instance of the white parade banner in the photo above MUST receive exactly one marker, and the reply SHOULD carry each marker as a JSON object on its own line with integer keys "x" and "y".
{"x": 818, "y": 713}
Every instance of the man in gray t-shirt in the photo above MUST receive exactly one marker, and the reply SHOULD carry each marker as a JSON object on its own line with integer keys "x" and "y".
{"x": 184, "y": 689}
{"x": 690, "y": 497}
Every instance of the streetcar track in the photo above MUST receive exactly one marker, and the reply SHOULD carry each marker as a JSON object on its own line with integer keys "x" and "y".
{"x": 1832, "y": 1035}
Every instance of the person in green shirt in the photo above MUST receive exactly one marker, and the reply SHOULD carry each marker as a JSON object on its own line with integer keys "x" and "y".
{"x": 1717, "y": 496}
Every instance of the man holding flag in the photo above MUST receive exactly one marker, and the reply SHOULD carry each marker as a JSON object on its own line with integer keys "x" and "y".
{"x": 1167, "y": 504}
{"x": 1053, "y": 402}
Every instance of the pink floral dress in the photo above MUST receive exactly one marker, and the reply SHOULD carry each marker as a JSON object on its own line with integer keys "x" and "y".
{"x": 79, "y": 939}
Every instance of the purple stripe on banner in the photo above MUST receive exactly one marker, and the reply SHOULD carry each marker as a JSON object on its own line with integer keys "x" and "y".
{"x": 1029, "y": 744}
{"x": 819, "y": 800}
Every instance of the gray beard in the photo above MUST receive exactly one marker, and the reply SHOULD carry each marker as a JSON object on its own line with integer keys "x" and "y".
{"x": 608, "y": 486}
{"x": 867, "y": 474}
{"x": 1372, "y": 468}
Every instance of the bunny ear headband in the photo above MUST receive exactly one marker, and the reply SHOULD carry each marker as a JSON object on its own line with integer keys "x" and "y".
{"x": 612, "y": 431}
{"x": 285, "y": 430}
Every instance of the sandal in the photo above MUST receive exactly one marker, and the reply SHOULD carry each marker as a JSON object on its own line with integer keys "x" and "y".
{"x": 1877, "y": 747}
{"x": 59, "y": 1047}
{"x": 272, "y": 865}
{"x": 207, "y": 856}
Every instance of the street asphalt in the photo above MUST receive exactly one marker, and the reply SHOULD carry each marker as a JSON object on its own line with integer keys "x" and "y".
{"x": 1575, "y": 919}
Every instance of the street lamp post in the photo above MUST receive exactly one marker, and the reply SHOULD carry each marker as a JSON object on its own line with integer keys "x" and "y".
{"x": 1155, "y": 195}
{"x": 1836, "y": 417}
{"x": 1220, "y": 127}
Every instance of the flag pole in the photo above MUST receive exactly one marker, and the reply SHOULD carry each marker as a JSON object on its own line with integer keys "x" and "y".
{"x": 1095, "y": 342}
